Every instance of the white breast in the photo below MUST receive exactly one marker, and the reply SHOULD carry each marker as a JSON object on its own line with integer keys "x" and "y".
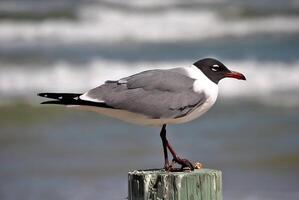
{"x": 202, "y": 84}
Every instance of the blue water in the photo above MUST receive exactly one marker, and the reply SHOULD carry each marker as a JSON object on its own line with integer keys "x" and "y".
{"x": 262, "y": 48}
{"x": 50, "y": 152}
{"x": 70, "y": 154}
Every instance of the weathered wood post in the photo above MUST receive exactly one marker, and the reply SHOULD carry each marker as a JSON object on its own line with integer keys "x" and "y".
{"x": 200, "y": 184}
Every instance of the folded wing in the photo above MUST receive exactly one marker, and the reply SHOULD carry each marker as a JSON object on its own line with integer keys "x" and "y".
{"x": 154, "y": 93}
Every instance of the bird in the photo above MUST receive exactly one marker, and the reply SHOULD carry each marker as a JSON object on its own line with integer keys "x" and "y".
{"x": 157, "y": 97}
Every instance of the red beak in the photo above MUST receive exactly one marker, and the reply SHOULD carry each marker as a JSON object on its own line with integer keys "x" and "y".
{"x": 235, "y": 75}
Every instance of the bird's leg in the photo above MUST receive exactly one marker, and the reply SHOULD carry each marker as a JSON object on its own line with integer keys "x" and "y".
{"x": 164, "y": 143}
{"x": 183, "y": 162}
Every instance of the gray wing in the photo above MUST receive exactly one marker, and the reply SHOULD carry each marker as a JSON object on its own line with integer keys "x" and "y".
{"x": 154, "y": 93}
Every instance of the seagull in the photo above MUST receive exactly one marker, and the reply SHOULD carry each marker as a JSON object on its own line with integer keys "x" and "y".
{"x": 155, "y": 97}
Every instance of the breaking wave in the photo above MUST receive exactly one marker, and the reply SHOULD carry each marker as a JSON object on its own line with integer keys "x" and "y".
{"x": 114, "y": 25}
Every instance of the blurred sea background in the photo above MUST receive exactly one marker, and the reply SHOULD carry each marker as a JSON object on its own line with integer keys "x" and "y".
{"x": 55, "y": 153}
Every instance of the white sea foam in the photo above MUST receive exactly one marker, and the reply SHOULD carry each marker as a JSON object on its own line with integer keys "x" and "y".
{"x": 268, "y": 82}
{"x": 107, "y": 25}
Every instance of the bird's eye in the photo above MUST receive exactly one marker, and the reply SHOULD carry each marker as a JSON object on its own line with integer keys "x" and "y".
{"x": 215, "y": 68}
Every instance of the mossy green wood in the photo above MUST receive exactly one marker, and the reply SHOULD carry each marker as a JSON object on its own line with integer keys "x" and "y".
{"x": 201, "y": 184}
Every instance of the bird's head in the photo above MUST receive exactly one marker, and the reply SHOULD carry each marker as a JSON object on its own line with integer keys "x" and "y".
{"x": 215, "y": 70}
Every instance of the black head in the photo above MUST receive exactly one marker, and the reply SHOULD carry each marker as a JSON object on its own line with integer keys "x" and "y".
{"x": 216, "y": 71}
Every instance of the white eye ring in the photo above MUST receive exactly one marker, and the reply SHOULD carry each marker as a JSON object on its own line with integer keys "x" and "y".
{"x": 215, "y": 68}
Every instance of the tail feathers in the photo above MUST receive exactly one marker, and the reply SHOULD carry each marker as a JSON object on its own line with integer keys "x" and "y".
{"x": 70, "y": 99}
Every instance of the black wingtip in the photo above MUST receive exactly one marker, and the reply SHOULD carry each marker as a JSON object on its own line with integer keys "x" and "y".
{"x": 42, "y": 94}
{"x": 69, "y": 99}
{"x": 49, "y": 102}
{"x": 59, "y": 95}
{"x": 53, "y": 102}
{"x": 47, "y": 95}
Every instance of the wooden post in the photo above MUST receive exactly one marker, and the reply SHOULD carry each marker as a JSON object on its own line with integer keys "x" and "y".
{"x": 200, "y": 184}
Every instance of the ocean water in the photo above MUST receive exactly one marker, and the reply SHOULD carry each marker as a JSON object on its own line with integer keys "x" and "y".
{"x": 51, "y": 152}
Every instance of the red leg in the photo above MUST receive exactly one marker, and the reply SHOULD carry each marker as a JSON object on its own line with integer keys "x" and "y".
{"x": 183, "y": 162}
{"x": 164, "y": 143}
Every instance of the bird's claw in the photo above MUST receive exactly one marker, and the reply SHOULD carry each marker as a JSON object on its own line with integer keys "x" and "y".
{"x": 185, "y": 164}
{"x": 168, "y": 167}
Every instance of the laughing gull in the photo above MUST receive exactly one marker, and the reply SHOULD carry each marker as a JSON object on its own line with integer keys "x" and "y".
{"x": 155, "y": 97}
